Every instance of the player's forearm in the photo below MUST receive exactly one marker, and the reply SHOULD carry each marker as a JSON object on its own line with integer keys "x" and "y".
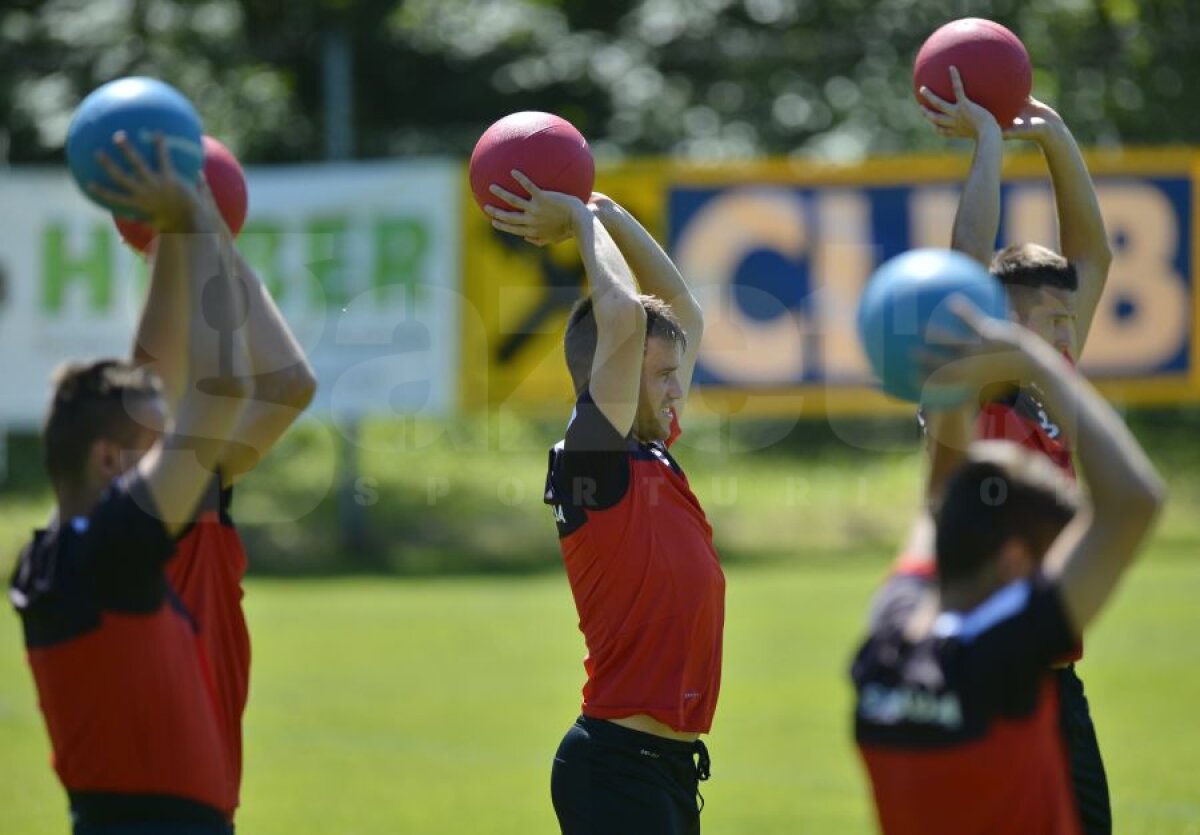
{"x": 281, "y": 370}
{"x": 1122, "y": 484}
{"x": 216, "y": 332}
{"x": 218, "y": 384}
{"x": 978, "y": 217}
{"x": 614, "y": 292}
{"x": 1092, "y": 553}
{"x": 160, "y": 342}
{"x": 948, "y": 434}
{"x": 261, "y": 423}
{"x": 1081, "y": 232}
{"x": 656, "y": 273}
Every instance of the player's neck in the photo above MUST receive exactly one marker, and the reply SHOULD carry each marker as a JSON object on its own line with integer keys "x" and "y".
{"x": 76, "y": 502}
{"x": 963, "y": 597}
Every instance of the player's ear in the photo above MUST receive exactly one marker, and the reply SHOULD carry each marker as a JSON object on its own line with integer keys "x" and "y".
{"x": 104, "y": 459}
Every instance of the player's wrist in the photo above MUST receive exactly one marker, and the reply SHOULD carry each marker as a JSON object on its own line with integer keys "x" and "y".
{"x": 988, "y": 131}
{"x": 579, "y": 216}
{"x": 178, "y": 221}
{"x": 184, "y": 212}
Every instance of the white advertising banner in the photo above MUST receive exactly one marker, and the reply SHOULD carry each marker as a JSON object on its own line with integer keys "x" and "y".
{"x": 361, "y": 257}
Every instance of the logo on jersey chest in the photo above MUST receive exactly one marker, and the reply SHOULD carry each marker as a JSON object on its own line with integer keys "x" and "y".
{"x": 893, "y": 705}
{"x": 1048, "y": 426}
{"x": 1032, "y": 408}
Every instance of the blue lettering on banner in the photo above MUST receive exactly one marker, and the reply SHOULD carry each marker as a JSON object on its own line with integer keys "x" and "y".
{"x": 779, "y": 270}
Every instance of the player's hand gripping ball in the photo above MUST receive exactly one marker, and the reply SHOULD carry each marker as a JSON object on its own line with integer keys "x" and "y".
{"x": 905, "y": 313}
{"x": 226, "y": 181}
{"x": 992, "y": 61}
{"x": 546, "y": 148}
{"x": 141, "y": 108}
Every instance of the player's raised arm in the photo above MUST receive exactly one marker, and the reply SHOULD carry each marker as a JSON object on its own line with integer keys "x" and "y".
{"x": 978, "y": 218}
{"x": 284, "y": 382}
{"x": 218, "y": 386}
{"x": 160, "y": 341}
{"x": 549, "y": 217}
{"x": 657, "y": 275}
{"x": 1083, "y": 240}
{"x": 215, "y": 385}
{"x": 1124, "y": 491}
{"x": 948, "y": 434}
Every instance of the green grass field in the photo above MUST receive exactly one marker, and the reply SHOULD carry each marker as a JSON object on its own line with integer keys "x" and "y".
{"x": 421, "y": 704}
{"x": 434, "y": 706}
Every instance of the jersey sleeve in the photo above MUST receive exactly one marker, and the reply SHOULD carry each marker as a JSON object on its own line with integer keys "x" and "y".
{"x": 1012, "y": 638}
{"x": 589, "y": 430}
{"x": 589, "y": 470}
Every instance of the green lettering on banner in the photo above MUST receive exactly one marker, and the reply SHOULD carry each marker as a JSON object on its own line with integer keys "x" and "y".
{"x": 327, "y": 260}
{"x": 260, "y": 243}
{"x": 62, "y": 266}
{"x": 401, "y": 244}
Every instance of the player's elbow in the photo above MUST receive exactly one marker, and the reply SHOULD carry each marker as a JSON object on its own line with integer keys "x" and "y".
{"x": 303, "y": 391}
{"x": 298, "y": 387}
{"x": 1138, "y": 505}
{"x": 233, "y": 387}
{"x": 1147, "y": 497}
{"x": 141, "y": 356}
{"x": 293, "y": 387}
{"x": 621, "y": 313}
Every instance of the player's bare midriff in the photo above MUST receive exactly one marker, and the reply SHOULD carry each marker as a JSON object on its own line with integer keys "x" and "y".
{"x": 650, "y": 725}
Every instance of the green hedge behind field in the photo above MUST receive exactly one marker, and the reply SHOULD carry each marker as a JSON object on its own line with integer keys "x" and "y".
{"x": 466, "y": 496}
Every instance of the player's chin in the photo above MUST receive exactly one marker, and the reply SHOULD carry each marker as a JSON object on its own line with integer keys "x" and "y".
{"x": 653, "y": 430}
{"x": 663, "y": 427}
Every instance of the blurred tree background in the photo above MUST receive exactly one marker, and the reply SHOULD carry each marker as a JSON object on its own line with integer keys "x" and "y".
{"x": 698, "y": 79}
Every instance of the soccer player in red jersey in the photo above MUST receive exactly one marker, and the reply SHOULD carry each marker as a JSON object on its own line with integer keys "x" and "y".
{"x": 638, "y": 549}
{"x": 957, "y": 710}
{"x": 1056, "y": 297}
{"x": 211, "y": 561}
{"x": 123, "y": 677}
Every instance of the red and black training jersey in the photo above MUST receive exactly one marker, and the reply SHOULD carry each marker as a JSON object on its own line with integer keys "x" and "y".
{"x": 206, "y": 573}
{"x": 645, "y": 576}
{"x": 123, "y": 679}
{"x": 959, "y": 730}
{"x": 1021, "y": 418}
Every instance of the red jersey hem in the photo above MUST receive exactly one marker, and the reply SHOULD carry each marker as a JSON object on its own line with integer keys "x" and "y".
{"x": 621, "y": 713}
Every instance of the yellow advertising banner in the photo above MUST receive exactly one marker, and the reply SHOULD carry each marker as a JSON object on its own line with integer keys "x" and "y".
{"x": 778, "y": 254}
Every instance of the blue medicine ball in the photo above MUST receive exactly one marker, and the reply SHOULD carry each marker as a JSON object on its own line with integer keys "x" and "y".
{"x": 904, "y": 297}
{"x": 141, "y": 107}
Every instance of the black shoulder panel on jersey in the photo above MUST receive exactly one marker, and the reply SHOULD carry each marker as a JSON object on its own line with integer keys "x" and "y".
{"x": 51, "y": 594}
{"x": 972, "y": 669}
{"x": 589, "y": 469}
